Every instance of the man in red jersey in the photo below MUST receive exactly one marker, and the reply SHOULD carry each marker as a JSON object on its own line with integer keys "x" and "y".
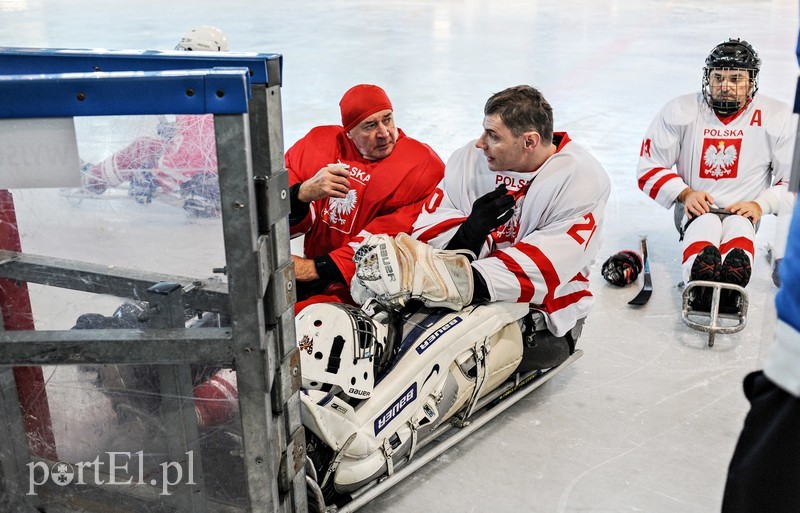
{"x": 348, "y": 182}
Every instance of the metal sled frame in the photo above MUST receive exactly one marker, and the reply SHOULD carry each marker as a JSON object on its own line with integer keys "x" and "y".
{"x": 714, "y": 326}
{"x": 444, "y": 437}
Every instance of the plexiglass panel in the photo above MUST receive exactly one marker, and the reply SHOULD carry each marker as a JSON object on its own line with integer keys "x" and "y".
{"x": 117, "y": 435}
{"x": 143, "y": 437}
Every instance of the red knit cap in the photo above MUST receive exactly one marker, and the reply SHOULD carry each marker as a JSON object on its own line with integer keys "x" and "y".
{"x": 361, "y": 101}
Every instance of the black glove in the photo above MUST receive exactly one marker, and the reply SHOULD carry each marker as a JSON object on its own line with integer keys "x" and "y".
{"x": 488, "y": 212}
{"x": 622, "y": 268}
{"x": 491, "y": 210}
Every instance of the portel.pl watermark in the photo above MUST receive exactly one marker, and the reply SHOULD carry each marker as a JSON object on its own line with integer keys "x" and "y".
{"x": 109, "y": 473}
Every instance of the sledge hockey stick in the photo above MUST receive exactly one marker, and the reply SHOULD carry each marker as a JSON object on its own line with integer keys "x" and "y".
{"x": 647, "y": 289}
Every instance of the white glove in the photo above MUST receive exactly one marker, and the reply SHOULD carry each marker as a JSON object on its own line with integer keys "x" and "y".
{"x": 394, "y": 271}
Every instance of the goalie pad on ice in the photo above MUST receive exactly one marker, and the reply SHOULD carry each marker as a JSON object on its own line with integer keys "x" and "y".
{"x": 394, "y": 270}
{"x": 447, "y": 361}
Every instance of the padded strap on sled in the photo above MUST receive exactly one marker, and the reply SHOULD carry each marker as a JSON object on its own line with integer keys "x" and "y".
{"x": 542, "y": 349}
{"x": 413, "y": 426}
{"x": 388, "y": 451}
{"x": 575, "y": 333}
{"x": 338, "y": 458}
{"x": 480, "y": 351}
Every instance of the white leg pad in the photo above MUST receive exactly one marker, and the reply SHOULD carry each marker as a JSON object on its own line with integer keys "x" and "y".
{"x": 429, "y": 384}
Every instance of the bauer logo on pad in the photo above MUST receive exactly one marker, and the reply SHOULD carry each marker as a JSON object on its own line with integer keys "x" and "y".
{"x": 433, "y": 337}
{"x": 394, "y": 410}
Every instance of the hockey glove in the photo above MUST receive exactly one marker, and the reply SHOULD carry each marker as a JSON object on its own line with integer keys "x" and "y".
{"x": 622, "y": 268}
{"x": 489, "y": 212}
{"x": 396, "y": 270}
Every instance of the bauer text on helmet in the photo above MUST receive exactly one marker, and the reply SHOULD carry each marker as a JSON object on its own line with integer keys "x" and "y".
{"x": 203, "y": 39}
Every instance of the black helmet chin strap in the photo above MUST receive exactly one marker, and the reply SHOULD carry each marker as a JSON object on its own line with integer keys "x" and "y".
{"x": 725, "y": 107}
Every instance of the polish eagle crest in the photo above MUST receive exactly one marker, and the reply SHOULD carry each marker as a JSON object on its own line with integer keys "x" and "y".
{"x": 719, "y": 158}
{"x": 339, "y": 208}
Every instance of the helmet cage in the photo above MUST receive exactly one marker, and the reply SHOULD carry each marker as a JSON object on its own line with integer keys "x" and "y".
{"x": 340, "y": 345}
{"x": 731, "y": 55}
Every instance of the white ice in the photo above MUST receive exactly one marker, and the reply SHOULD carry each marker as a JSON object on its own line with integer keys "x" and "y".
{"x": 647, "y": 420}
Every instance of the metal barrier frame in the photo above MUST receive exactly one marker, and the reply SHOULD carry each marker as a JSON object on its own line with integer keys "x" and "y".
{"x": 243, "y": 93}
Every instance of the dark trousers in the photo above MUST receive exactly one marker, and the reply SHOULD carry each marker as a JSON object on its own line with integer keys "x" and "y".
{"x": 764, "y": 473}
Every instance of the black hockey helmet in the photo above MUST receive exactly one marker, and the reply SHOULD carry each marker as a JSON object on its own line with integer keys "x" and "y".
{"x": 733, "y": 54}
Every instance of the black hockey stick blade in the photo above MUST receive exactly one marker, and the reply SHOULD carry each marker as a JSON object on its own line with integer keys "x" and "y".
{"x": 647, "y": 289}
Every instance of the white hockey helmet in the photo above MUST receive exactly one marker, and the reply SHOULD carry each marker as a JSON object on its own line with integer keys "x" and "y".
{"x": 203, "y": 39}
{"x": 339, "y": 345}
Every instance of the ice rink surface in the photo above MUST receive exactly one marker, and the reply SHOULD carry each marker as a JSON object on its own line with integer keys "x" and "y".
{"x": 647, "y": 420}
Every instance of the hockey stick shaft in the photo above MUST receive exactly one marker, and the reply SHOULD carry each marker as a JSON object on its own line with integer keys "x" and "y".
{"x": 647, "y": 288}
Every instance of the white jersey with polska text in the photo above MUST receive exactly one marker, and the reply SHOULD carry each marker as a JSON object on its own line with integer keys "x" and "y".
{"x": 744, "y": 157}
{"x": 542, "y": 255}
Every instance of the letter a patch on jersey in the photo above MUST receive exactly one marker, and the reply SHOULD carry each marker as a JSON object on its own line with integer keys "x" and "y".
{"x": 720, "y": 158}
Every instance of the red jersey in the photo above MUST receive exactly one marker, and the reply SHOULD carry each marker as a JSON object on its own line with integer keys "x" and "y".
{"x": 172, "y": 160}
{"x": 385, "y": 196}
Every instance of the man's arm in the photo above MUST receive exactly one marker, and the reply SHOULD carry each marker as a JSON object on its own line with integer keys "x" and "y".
{"x": 314, "y": 174}
{"x": 411, "y": 195}
{"x": 536, "y": 268}
{"x": 782, "y": 138}
{"x": 783, "y": 360}
{"x": 658, "y": 155}
{"x": 330, "y": 181}
{"x": 317, "y": 268}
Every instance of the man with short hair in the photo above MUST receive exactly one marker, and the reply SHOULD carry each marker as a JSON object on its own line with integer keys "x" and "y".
{"x": 731, "y": 150}
{"x": 529, "y": 203}
{"x": 350, "y": 181}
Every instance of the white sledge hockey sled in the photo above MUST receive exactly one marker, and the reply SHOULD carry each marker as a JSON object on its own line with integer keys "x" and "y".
{"x": 450, "y": 373}
{"x": 715, "y": 321}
